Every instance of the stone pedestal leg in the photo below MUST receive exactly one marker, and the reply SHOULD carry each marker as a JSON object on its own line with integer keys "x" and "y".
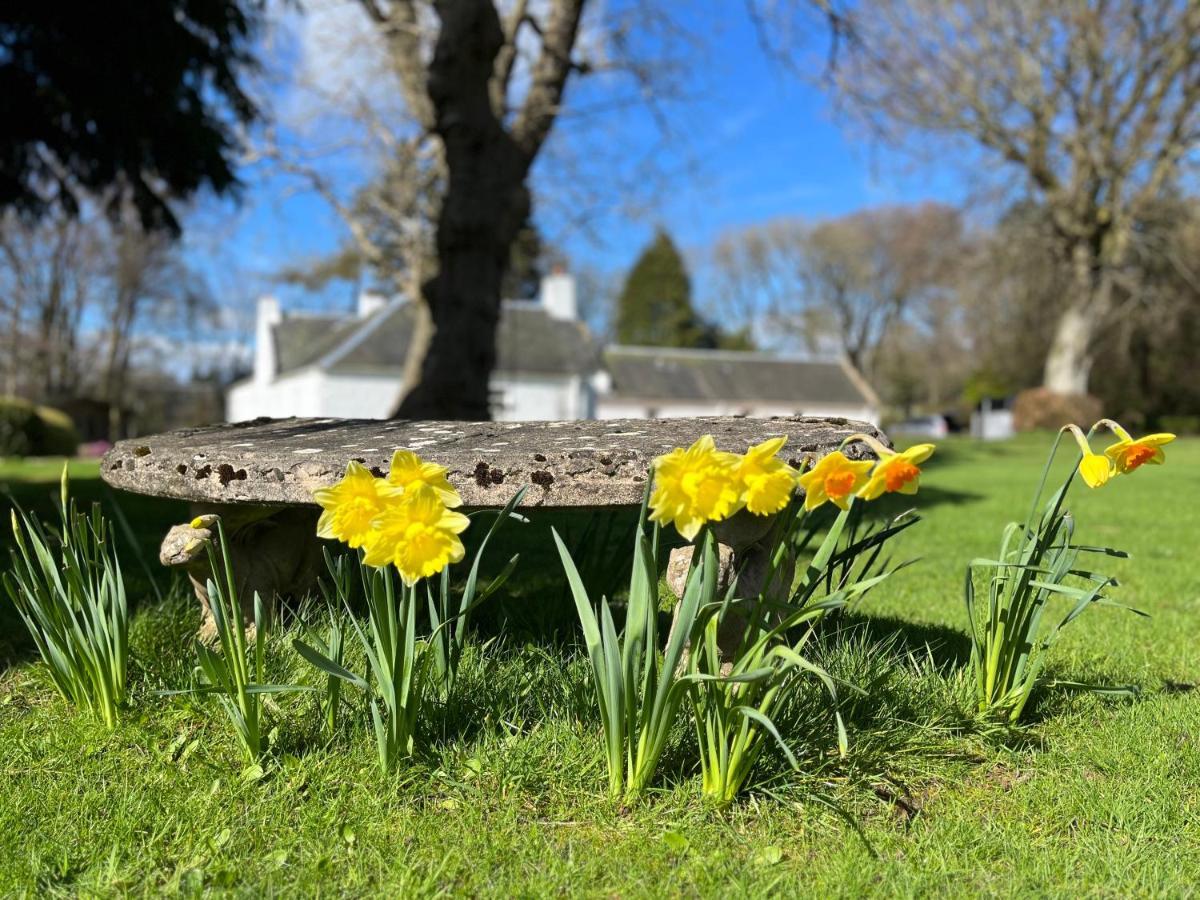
{"x": 742, "y": 550}
{"x": 273, "y": 551}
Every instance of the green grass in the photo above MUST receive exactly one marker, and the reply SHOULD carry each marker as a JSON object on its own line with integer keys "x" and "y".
{"x": 1096, "y": 796}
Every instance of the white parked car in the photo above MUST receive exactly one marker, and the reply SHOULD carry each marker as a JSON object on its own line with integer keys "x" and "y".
{"x": 923, "y": 426}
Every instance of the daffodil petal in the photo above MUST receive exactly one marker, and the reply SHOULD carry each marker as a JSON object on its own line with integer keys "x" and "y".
{"x": 1095, "y": 470}
{"x": 872, "y": 489}
{"x": 918, "y": 453}
{"x": 1157, "y": 440}
{"x": 1112, "y": 451}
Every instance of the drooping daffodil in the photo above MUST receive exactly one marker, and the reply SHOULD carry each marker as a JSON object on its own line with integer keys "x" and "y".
{"x": 896, "y": 473}
{"x": 835, "y": 478}
{"x": 1130, "y": 453}
{"x": 1094, "y": 468}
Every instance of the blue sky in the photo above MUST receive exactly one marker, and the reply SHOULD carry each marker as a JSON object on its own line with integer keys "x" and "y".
{"x": 752, "y": 142}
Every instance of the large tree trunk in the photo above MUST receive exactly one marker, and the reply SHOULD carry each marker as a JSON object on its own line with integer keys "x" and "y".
{"x": 1069, "y": 360}
{"x": 485, "y": 203}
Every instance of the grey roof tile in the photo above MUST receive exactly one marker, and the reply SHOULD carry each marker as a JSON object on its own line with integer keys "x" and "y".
{"x": 528, "y": 341}
{"x": 302, "y": 340}
{"x": 661, "y": 374}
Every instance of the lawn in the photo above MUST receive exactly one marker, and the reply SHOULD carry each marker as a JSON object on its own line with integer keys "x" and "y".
{"x": 1096, "y": 796}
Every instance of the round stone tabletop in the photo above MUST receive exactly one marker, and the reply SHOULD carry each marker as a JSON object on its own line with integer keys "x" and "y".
{"x": 565, "y": 464}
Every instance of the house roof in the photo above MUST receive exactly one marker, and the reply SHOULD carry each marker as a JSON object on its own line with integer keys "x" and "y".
{"x": 658, "y": 374}
{"x": 302, "y": 340}
{"x": 531, "y": 342}
{"x": 528, "y": 341}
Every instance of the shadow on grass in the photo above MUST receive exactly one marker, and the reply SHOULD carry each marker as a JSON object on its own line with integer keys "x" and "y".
{"x": 1052, "y": 700}
{"x": 946, "y": 648}
{"x": 930, "y": 496}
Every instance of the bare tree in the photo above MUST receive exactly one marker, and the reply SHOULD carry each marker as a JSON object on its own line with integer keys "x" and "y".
{"x": 1094, "y": 104}
{"x": 145, "y": 277}
{"x": 48, "y": 273}
{"x": 402, "y": 88}
{"x": 454, "y": 63}
{"x": 850, "y": 278}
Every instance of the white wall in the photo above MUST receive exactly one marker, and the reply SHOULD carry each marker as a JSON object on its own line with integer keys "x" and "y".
{"x": 616, "y": 408}
{"x": 311, "y": 392}
{"x": 992, "y": 424}
{"x": 530, "y": 398}
{"x": 267, "y": 315}
{"x": 314, "y": 393}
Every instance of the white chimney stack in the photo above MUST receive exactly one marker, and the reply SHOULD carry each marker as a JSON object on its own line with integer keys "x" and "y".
{"x": 558, "y": 295}
{"x": 370, "y": 303}
{"x": 267, "y": 316}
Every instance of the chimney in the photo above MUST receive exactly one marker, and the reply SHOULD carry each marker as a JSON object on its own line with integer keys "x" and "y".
{"x": 268, "y": 315}
{"x": 370, "y": 303}
{"x": 558, "y": 294}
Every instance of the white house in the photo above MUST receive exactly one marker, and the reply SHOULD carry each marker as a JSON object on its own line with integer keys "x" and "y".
{"x": 548, "y": 367}
{"x": 353, "y": 366}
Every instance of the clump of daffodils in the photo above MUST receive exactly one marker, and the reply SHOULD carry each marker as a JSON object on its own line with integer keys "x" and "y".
{"x": 702, "y": 485}
{"x": 1041, "y": 562}
{"x": 407, "y": 519}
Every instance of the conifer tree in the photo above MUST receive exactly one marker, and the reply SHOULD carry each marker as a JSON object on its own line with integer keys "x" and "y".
{"x": 655, "y": 306}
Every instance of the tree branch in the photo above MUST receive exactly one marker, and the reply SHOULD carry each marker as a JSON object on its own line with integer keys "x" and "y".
{"x": 549, "y": 78}
{"x": 507, "y": 57}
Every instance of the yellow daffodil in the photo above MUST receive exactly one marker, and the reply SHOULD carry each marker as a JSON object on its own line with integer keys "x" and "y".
{"x": 1094, "y": 469}
{"x": 418, "y": 534}
{"x": 350, "y": 506}
{"x": 408, "y": 469}
{"x": 896, "y": 472}
{"x": 1129, "y": 453}
{"x": 835, "y": 478}
{"x": 695, "y": 486}
{"x": 767, "y": 482}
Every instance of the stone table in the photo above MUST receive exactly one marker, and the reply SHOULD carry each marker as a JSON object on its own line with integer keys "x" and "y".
{"x": 259, "y": 476}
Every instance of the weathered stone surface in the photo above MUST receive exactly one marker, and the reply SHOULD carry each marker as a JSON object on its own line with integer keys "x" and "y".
{"x": 565, "y": 464}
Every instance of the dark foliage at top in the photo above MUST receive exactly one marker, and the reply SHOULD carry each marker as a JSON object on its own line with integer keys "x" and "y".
{"x": 126, "y": 94}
